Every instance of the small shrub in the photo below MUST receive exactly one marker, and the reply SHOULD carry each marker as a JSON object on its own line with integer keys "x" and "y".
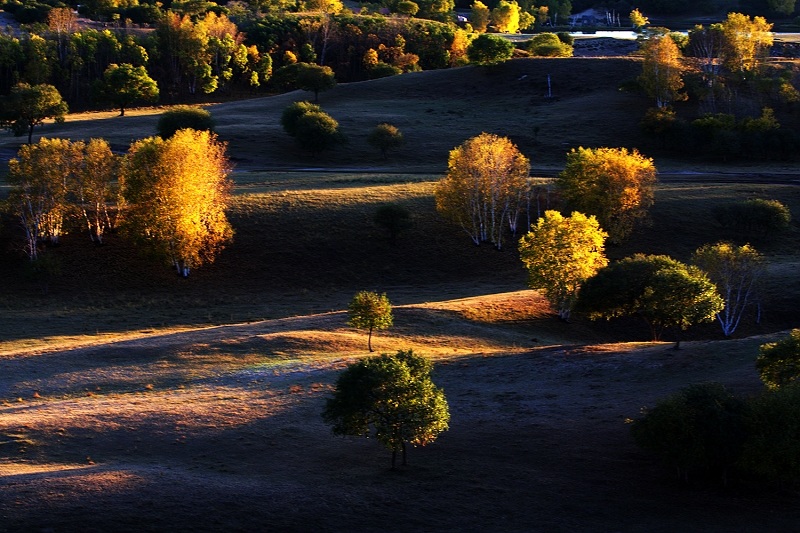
{"x": 184, "y": 117}
{"x": 292, "y": 113}
{"x": 394, "y": 217}
{"x": 755, "y": 218}
{"x": 548, "y": 45}
{"x": 385, "y": 137}
{"x": 317, "y": 131}
{"x": 778, "y": 363}
{"x": 699, "y": 431}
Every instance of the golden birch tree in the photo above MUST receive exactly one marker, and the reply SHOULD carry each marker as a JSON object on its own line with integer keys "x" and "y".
{"x": 560, "y": 253}
{"x": 39, "y": 177}
{"x": 484, "y": 186}
{"x": 661, "y": 70}
{"x": 746, "y": 42}
{"x": 176, "y": 192}
{"x": 96, "y": 187}
{"x": 613, "y": 184}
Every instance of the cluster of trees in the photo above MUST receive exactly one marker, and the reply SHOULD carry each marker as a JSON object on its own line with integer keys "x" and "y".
{"x": 169, "y": 195}
{"x": 737, "y": 95}
{"x": 313, "y": 129}
{"x": 609, "y": 192}
{"x": 708, "y": 434}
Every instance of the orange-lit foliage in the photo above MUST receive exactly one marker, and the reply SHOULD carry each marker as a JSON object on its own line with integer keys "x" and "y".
{"x": 178, "y": 190}
{"x": 613, "y": 184}
{"x": 486, "y": 180}
{"x": 661, "y": 70}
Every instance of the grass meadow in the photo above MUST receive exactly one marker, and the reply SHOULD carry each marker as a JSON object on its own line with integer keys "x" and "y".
{"x": 134, "y": 400}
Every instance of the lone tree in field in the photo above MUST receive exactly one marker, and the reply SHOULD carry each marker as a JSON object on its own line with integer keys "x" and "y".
{"x": 292, "y": 113}
{"x": 662, "y": 291}
{"x": 394, "y": 217}
{"x": 177, "y": 191}
{"x": 485, "y": 183}
{"x": 316, "y": 131}
{"x": 661, "y": 70}
{"x": 613, "y": 184}
{"x": 370, "y": 310}
{"x": 560, "y": 253}
{"x": 737, "y": 271}
{"x": 392, "y": 395}
{"x": 486, "y": 50}
{"x": 123, "y": 85}
{"x": 315, "y": 78}
{"x": 385, "y": 137}
{"x": 29, "y": 106}
{"x": 778, "y": 363}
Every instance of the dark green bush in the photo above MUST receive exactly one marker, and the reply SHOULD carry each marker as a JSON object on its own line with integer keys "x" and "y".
{"x": 772, "y": 450}
{"x": 292, "y": 113}
{"x": 699, "y": 431}
{"x": 184, "y": 117}
{"x": 755, "y": 218}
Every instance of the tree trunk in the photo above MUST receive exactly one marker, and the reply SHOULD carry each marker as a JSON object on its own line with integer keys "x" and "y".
{"x": 404, "y": 453}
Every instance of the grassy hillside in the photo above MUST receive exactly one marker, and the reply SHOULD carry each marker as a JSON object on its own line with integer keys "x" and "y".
{"x": 305, "y": 241}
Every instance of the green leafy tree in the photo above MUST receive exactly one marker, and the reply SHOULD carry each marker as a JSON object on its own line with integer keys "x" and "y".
{"x": 392, "y": 396}
{"x": 394, "y": 217}
{"x": 315, "y": 78}
{"x": 370, "y": 310}
{"x": 549, "y": 45}
{"x": 123, "y": 85}
{"x": 486, "y": 180}
{"x": 176, "y": 191}
{"x": 29, "y": 106}
{"x": 662, "y": 291}
{"x": 778, "y": 363}
{"x": 183, "y": 117}
{"x": 292, "y": 113}
{"x": 317, "y": 131}
{"x": 661, "y": 70}
{"x": 386, "y": 137}
{"x": 754, "y": 218}
{"x": 407, "y": 8}
{"x": 737, "y": 272}
{"x": 488, "y": 50}
{"x": 613, "y": 184}
{"x": 560, "y": 253}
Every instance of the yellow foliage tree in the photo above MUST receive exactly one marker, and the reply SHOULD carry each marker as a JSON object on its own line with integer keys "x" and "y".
{"x": 486, "y": 180}
{"x": 96, "y": 187}
{"x": 561, "y": 253}
{"x": 40, "y": 176}
{"x": 613, "y": 184}
{"x": 177, "y": 191}
{"x": 661, "y": 70}
{"x": 746, "y": 41}
{"x": 479, "y": 16}
{"x": 638, "y": 21}
{"x": 505, "y": 17}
